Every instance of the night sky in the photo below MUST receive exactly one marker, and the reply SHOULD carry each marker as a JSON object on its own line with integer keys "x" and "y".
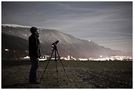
{"x": 106, "y": 23}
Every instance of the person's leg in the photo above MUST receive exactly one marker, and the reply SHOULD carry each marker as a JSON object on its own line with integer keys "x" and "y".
{"x": 33, "y": 70}
{"x": 31, "y": 74}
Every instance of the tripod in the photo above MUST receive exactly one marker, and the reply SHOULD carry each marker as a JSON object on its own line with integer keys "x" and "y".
{"x": 56, "y": 58}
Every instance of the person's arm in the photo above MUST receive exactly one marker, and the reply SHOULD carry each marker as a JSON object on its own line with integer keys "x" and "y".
{"x": 36, "y": 47}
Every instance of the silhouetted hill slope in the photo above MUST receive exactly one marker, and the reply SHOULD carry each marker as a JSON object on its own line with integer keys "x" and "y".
{"x": 13, "y": 47}
{"x": 13, "y": 42}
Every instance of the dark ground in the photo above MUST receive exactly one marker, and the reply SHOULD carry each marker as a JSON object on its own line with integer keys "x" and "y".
{"x": 88, "y": 74}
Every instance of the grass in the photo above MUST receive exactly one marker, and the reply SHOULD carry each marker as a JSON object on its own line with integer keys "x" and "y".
{"x": 88, "y": 74}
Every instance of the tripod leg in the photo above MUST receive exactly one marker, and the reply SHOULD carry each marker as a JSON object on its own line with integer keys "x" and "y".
{"x": 47, "y": 64}
{"x": 62, "y": 64}
{"x": 56, "y": 67}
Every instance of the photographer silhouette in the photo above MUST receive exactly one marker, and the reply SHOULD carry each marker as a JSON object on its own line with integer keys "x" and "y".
{"x": 34, "y": 53}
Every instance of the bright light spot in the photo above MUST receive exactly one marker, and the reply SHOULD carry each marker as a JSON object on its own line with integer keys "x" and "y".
{"x": 6, "y": 50}
{"x": 83, "y": 59}
{"x": 101, "y": 56}
{"x": 42, "y": 59}
{"x": 26, "y": 57}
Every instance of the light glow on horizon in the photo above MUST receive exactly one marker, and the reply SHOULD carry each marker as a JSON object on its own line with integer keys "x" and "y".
{"x": 111, "y": 58}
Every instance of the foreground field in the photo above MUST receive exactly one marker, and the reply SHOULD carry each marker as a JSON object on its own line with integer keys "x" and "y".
{"x": 89, "y": 74}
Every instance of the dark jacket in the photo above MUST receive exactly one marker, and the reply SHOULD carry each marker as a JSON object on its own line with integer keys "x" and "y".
{"x": 34, "y": 46}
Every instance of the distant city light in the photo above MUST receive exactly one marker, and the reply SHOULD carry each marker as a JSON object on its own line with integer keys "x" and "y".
{"x": 83, "y": 59}
{"x": 26, "y": 57}
{"x": 6, "y": 50}
{"x": 42, "y": 59}
{"x": 100, "y": 58}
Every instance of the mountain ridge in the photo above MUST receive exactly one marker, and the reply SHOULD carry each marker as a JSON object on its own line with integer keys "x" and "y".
{"x": 68, "y": 45}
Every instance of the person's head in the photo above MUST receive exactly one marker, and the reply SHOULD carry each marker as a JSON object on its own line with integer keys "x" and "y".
{"x": 34, "y": 30}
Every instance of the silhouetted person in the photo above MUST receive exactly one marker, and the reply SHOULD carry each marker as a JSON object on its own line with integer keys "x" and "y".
{"x": 34, "y": 53}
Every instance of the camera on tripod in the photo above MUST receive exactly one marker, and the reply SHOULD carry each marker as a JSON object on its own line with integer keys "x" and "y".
{"x": 55, "y": 43}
